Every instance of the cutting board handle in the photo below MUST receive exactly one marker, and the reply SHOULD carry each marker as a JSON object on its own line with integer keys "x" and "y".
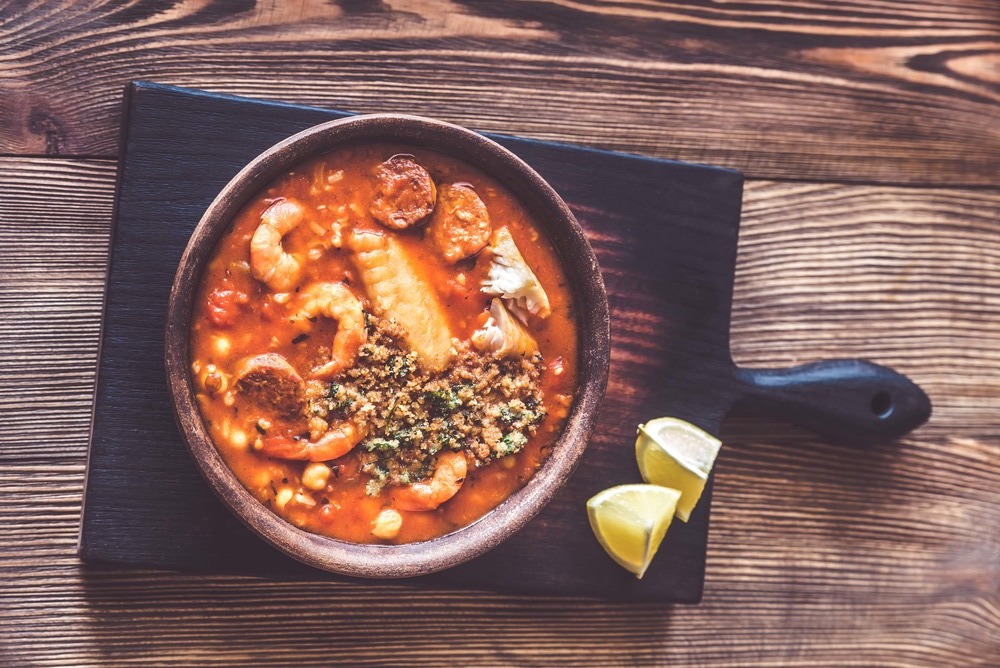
{"x": 847, "y": 401}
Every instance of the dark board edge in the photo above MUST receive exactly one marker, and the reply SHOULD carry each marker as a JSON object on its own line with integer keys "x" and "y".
{"x": 129, "y": 90}
{"x": 140, "y": 86}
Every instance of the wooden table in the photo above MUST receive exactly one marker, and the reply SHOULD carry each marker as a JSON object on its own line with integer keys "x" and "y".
{"x": 870, "y": 136}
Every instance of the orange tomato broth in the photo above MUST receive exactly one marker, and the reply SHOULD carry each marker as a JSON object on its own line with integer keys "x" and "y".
{"x": 343, "y": 509}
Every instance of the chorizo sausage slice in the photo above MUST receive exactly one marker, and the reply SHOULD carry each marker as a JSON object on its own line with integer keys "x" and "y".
{"x": 404, "y": 193}
{"x": 270, "y": 380}
{"x": 460, "y": 226}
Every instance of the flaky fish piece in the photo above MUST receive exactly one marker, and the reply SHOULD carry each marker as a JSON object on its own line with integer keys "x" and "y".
{"x": 503, "y": 334}
{"x": 510, "y": 277}
{"x": 399, "y": 293}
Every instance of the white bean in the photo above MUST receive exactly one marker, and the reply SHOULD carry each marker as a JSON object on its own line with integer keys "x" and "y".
{"x": 315, "y": 476}
{"x": 387, "y": 524}
{"x": 285, "y": 495}
{"x": 305, "y": 500}
{"x": 222, "y": 346}
{"x": 238, "y": 438}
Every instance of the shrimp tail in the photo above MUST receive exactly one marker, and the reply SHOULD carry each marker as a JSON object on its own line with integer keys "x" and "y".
{"x": 284, "y": 447}
{"x": 336, "y": 301}
{"x": 335, "y": 443}
{"x": 449, "y": 476}
{"x": 269, "y": 263}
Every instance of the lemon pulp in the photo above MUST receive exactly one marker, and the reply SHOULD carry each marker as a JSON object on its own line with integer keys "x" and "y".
{"x": 630, "y": 521}
{"x": 676, "y": 454}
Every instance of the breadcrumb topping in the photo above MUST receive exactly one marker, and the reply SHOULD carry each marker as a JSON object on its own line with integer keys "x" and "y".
{"x": 481, "y": 405}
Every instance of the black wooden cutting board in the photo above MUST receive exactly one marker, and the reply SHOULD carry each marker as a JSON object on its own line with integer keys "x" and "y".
{"x": 664, "y": 233}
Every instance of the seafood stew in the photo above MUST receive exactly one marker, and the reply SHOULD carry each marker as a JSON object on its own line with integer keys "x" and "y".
{"x": 383, "y": 345}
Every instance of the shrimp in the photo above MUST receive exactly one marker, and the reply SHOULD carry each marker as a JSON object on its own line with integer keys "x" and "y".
{"x": 399, "y": 292}
{"x": 449, "y": 474}
{"x": 336, "y": 442}
{"x": 269, "y": 262}
{"x": 336, "y": 301}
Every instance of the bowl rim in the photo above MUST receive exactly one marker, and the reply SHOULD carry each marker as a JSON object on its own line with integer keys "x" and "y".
{"x": 550, "y": 213}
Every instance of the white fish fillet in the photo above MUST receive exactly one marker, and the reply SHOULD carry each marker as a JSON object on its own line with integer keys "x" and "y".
{"x": 510, "y": 277}
{"x": 503, "y": 334}
{"x": 398, "y": 292}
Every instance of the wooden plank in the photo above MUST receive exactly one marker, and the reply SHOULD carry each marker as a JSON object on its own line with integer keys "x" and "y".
{"x": 914, "y": 276}
{"x": 890, "y": 92}
{"x": 817, "y": 556}
{"x": 54, "y": 224}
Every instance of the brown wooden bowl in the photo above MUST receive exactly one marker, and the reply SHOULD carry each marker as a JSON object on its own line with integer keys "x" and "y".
{"x": 579, "y": 263}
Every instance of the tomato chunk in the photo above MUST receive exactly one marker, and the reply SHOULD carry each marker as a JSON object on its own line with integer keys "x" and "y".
{"x": 223, "y": 306}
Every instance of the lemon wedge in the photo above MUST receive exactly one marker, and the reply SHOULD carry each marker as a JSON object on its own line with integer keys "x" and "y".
{"x": 630, "y": 522}
{"x": 676, "y": 454}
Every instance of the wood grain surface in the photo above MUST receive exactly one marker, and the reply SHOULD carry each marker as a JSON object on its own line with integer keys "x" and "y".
{"x": 818, "y": 556}
{"x": 907, "y": 92}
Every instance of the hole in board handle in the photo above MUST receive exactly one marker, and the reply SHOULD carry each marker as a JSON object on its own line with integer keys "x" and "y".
{"x": 882, "y": 405}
